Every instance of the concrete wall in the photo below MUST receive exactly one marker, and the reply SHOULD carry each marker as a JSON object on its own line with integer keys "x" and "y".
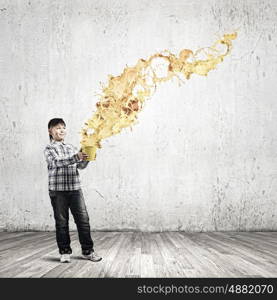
{"x": 203, "y": 155}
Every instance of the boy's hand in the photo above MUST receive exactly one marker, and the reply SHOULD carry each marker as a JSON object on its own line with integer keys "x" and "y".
{"x": 82, "y": 156}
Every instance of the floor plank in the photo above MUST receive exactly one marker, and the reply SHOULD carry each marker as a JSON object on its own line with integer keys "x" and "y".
{"x": 142, "y": 254}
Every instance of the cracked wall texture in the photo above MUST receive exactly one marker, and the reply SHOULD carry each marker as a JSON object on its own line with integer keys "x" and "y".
{"x": 203, "y": 155}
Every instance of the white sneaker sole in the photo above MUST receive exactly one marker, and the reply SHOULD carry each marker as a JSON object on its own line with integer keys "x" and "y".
{"x": 65, "y": 261}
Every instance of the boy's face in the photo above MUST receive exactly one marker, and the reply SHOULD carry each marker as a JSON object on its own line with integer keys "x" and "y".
{"x": 58, "y": 132}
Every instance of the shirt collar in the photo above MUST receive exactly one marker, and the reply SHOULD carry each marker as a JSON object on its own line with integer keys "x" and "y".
{"x": 57, "y": 142}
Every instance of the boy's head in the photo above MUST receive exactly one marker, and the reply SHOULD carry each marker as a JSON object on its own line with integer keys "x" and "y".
{"x": 56, "y": 129}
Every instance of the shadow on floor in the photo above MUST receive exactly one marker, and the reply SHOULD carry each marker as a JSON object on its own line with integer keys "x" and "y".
{"x": 57, "y": 259}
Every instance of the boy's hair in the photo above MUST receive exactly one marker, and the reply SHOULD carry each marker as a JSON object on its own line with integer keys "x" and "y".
{"x": 54, "y": 122}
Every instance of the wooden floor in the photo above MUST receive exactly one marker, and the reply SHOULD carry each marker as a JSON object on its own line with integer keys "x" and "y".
{"x": 137, "y": 254}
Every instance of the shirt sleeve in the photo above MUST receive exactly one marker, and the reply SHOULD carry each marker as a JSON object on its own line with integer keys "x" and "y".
{"x": 82, "y": 164}
{"x": 54, "y": 161}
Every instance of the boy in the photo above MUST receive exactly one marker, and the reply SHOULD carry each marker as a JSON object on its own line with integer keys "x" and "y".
{"x": 65, "y": 191}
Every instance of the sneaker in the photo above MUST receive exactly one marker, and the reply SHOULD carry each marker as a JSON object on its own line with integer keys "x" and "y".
{"x": 65, "y": 258}
{"x": 92, "y": 256}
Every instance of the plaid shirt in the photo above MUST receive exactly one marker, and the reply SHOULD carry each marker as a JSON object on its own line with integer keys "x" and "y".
{"x": 63, "y": 164}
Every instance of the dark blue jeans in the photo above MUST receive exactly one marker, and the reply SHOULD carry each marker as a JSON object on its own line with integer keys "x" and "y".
{"x": 62, "y": 201}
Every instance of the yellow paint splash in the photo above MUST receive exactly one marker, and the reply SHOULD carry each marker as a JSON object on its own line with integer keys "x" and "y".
{"x": 123, "y": 97}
